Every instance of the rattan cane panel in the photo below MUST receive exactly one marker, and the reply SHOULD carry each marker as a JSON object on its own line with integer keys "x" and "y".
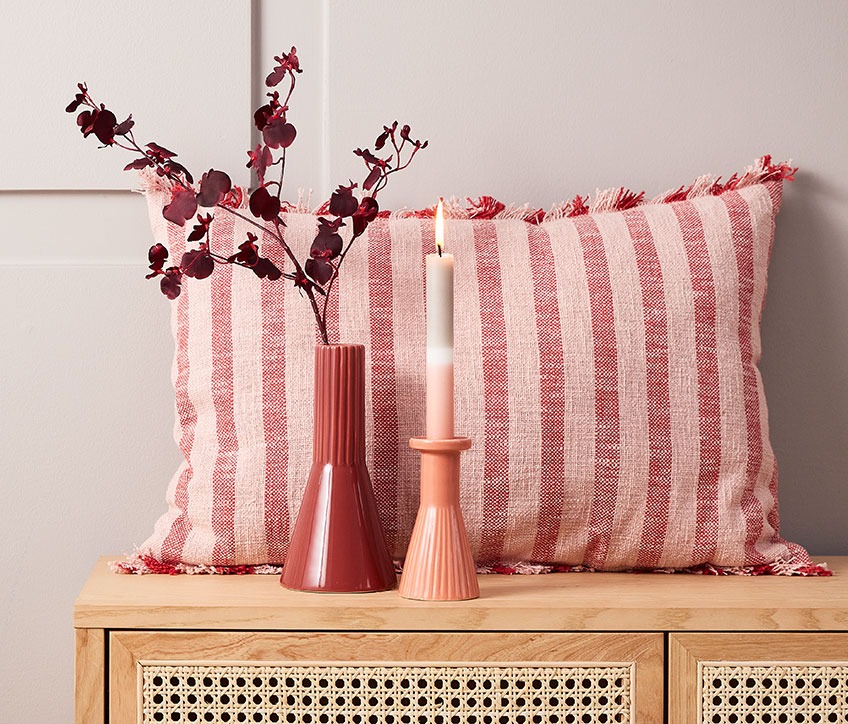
{"x": 775, "y": 694}
{"x": 360, "y": 694}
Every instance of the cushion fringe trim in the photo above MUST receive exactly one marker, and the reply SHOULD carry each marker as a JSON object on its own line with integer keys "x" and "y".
{"x": 488, "y": 207}
{"x": 142, "y": 564}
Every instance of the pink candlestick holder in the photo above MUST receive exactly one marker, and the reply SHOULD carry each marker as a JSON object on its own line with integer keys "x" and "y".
{"x": 439, "y": 565}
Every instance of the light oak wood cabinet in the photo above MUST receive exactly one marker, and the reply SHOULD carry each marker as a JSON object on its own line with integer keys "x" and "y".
{"x": 556, "y": 649}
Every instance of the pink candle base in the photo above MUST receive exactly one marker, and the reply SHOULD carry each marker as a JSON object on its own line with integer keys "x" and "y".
{"x": 439, "y": 400}
{"x": 439, "y": 565}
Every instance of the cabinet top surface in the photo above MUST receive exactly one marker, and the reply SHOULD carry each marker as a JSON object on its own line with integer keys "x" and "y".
{"x": 553, "y": 602}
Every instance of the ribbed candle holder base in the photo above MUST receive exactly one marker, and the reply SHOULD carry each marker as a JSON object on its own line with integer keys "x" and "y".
{"x": 439, "y": 565}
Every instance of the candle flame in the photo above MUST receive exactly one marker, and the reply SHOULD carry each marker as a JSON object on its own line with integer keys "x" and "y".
{"x": 440, "y": 228}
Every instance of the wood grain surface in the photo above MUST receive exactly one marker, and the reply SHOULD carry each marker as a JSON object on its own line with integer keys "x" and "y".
{"x": 555, "y": 602}
{"x": 89, "y": 676}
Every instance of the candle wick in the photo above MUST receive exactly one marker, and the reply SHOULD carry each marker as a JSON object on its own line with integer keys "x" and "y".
{"x": 439, "y": 249}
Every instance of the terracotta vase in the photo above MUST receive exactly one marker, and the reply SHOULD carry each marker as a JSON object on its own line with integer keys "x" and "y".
{"x": 337, "y": 544}
{"x": 439, "y": 565}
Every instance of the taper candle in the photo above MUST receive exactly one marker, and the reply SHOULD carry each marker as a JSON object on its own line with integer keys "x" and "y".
{"x": 440, "y": 270}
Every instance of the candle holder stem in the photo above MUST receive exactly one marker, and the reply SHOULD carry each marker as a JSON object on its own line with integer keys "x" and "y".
{"x": 439, "y": 565}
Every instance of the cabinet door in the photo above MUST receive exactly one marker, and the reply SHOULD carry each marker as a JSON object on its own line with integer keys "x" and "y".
{"x": 772, "y": 678}
{"x": 385, "y": 678}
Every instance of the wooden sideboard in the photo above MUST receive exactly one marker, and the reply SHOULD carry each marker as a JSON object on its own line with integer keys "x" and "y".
{"x": 573, "y": 648}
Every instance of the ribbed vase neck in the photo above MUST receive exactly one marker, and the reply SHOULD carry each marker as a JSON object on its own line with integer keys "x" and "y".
{"x": 339, "y": 436}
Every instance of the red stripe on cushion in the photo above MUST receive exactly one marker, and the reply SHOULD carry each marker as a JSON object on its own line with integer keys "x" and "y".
{"x": 384, "y": 471}
{"x": 223, "y": 476}
{"x": 773, "y": 516}
{"x": 274, "y": 417}
{"x": 659, "y": 480}
{"x": 743, "y": 244}
{"x": 551, "y": 392}
{"x": 607, "y": 461}
{"x": 709, "y": 394}
{"x": 495, "y": 385}
{"x": 172, "y": 546}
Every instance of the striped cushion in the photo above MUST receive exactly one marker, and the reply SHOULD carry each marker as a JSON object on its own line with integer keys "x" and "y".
{"x": 606, "y": 370}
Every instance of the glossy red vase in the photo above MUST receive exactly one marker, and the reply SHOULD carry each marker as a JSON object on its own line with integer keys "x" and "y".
{"x": 337, "y": 545}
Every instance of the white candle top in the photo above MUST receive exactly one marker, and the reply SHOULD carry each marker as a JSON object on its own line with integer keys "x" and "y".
{"x": 440, "y": 271}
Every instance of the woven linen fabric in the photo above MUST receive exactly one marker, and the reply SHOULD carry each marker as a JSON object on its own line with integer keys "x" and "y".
{"x": 606, "y": 371}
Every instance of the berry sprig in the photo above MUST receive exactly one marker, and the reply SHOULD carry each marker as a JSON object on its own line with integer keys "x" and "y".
{"x": 315, "y": 277}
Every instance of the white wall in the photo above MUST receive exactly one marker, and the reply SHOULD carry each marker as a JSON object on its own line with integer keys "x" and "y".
{"x": 561, "y": 98}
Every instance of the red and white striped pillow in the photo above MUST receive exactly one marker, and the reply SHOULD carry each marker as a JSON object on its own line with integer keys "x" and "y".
{"x": 606, "y": 370}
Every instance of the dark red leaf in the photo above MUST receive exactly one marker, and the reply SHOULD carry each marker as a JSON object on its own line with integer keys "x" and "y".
{"x": 327, "y": 243}
{"x": 265, "y": 268}
{"x": 287, "y": 62}
{"x": 365, "y": 214}
{"x": 372, "y": 178}
{"x": 275, "y": 76}
{"x": 326, "y": 246}
{"x": 182, "y": 207}
{"x": 381, "y": 139}
{"x": 200, "y": 229}
{"x": 104, "y": 126}
{"x": 84, "y": 121}
{"x": 263, "y": 205}
{"x": 214, "y": 186}
{"x": 248, "y": 252}
{"x": 156, "y": 255}
{"x": 75, "y": 103}
{"x": 197, "y": 233}
{"x": 319, "y": 270}
{"x": 161, "y": 153}
{"x": 260, "y": 159}
{"x": 197, "y": 263}
{"x": 329, "y": 226}
{"x": 262, "y": 116}
{"x": 343, "y": 202}
{"x": 171, "y": 284}
{"x": 279, "y": 134}
{"x": 368, "y": 208}
{"x": 369, "y": 157}
{"x": 175, "y": 168}
{"x": 293, "y": 60}
{"x": 142, "y": 162}
{"x": 123, "y": 128}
